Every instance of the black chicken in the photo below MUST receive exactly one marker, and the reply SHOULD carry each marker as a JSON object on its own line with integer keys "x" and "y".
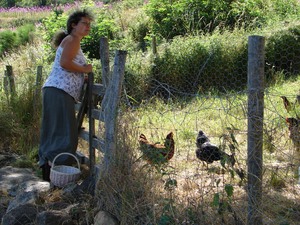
{"x": 209, "y": 152}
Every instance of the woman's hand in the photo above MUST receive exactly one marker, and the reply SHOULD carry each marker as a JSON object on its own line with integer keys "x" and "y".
{"x": 88, "y": 68}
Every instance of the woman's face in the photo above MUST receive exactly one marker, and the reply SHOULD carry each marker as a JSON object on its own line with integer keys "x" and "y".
{"x": 83, "y": 27}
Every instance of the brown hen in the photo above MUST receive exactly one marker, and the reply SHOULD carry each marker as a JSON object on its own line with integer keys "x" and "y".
{"x": 294, "y": 131}
{"x": 157, "y": 153}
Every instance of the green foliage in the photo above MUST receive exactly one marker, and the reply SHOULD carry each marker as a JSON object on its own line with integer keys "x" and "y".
{"x": 7, "y": 3}
{"x": 8, "y": 40}
{"x": 17, "y": 22}
{"x": 54, "y": 23}
{"x": 189, "y": 64}
{"x": 138, "y": 31}
{"x": 286, "y": 8}
{"x": 167, "y": 216}
{"x": 276, "y": 181}
{"x": 181, "y": 17}
{"x": 166, "y": 18}
{"x": 138, "y": 70}
{"x": 25, "y": 34}
{"x": 223, "y": 202}
{"x": 11, "y": 39}
{"x": 283, "y": 52}
{"x": 8, "y": 127}
{"x": 24, "y": 163}
{"x": 20, "y": 118}
{"x": 103, "y": 26}
{"x": 29, "y": 3}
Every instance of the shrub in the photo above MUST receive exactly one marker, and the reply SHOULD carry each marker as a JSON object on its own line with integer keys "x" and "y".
{"x": 139, "y": 31}
{"x": 54, "y": 23}
{"x": 25, "y": 34}
{"x": 181, "y": 17}
{"x": 103, "y": 26}
{"x": 12, "y": 39}
{"x": 192, "y": 64}
{"x": 283, "y": 52}
{"x": 7, "y": 41}
{"x": 138, "y": 70}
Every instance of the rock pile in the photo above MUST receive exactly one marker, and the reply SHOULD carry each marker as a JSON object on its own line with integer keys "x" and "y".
{"x": 26, "y": 199}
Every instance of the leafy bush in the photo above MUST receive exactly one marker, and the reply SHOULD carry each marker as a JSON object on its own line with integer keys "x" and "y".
{"x": 137, "y": 72}
{"x": 283, "y": 52}
{"x": 182, "y": 17}
{"x": 8, "y": 40}
{"x": 103, "y": 26}
{"x": 25, "y": 34}
{"x": 12, "y": 39}
{"x": 199, "y": 64}
{"x": 54, "y": 23}
{"x": 138, "y": 31}
{"x": 22, "y": 3}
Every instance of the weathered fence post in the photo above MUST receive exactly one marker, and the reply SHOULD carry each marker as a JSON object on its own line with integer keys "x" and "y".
{"x": 9, "y": 74}
{"x": 256, "y": 61}
{"x": 38, "y": 83}
{"x": 104, "y": 57}
{"x": 91, "y": 123}
{"x": 5, "y": 83}
{"x": 39, "y": 76}
{"x": 154, "y": 48}
{"x": 110, "y": 106}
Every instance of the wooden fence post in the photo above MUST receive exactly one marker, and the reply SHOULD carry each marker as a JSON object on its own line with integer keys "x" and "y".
{"x": 104, "y": 57}
{"x": 110, "y": 106}
{"x": 5, "y": 83}
{"x": 91, "y": 123}
{"x": 38, "y": 85}
{"x": 256, "y": 62}
{"x": 154, "y": 48}
{"x": 9, "y": 74}
{"x": 39, "y": 76}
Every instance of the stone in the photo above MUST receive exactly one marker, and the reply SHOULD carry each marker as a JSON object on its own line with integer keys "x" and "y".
{"x": 105, "y": 218}
{"x": 54, "y": 217}
{"x": 22, "y": 215}
{"x": 12, "y": 177}
{"x": 21, "y": 199}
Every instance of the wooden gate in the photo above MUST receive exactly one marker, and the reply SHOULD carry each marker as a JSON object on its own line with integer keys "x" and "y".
{"x": 110, "y": 93}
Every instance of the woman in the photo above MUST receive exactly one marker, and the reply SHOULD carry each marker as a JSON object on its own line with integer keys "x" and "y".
{"x": 60, "y": 92}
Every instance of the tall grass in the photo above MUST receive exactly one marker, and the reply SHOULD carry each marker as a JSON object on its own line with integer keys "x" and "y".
{"x": 22, "y": 110}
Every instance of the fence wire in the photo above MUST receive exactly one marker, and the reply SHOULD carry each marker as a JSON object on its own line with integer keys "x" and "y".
{"x": 223, "y": 117}
{"x": 216, "y": 193}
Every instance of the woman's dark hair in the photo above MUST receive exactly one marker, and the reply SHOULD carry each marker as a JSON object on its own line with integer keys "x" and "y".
{"x": 74, "y": 18}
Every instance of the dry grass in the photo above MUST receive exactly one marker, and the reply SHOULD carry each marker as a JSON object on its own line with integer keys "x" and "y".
{"x": 185, "y": 191}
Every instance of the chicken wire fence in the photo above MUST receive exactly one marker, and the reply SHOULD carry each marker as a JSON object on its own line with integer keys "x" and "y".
{"x": 219, "y": 191}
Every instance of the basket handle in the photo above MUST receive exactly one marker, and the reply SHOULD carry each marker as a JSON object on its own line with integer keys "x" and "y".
{"x": 66, "y": 153}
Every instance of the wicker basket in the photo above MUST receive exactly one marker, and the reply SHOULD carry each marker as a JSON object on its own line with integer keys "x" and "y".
{"x": 62, "y": 175}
